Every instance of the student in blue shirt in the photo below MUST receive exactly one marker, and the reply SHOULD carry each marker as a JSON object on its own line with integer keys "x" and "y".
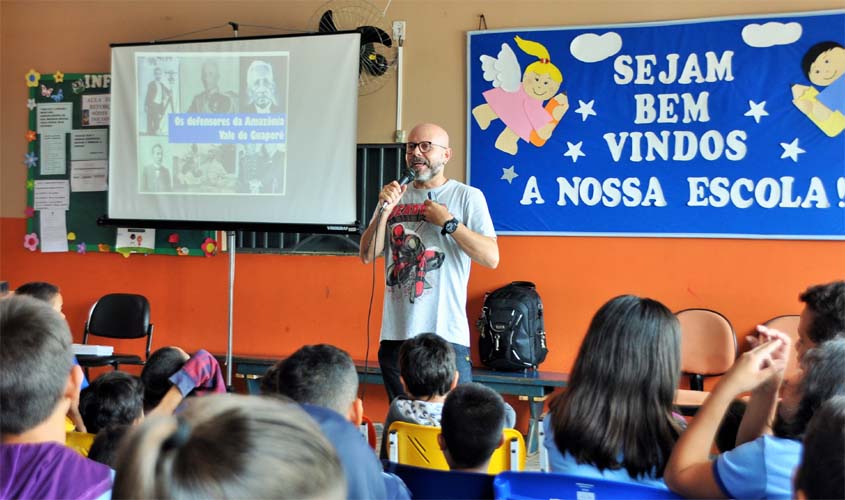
{"x": 615, "y": 419}
{"x": 762, "y": 465}
{"x": 822, "y": 471}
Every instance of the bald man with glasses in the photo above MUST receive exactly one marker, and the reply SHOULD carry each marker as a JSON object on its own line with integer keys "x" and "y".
{"x": 429, "y": 232}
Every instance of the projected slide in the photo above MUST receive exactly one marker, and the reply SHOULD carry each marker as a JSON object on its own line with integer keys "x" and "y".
{"x": 236, "y": 132}
{"x": 211, "y": 123}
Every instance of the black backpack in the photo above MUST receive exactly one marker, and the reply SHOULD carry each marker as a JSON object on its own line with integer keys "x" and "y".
{"x": 511, "y": 325}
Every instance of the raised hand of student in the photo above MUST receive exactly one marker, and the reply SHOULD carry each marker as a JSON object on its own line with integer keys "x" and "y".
{"x": 762, "y": 365}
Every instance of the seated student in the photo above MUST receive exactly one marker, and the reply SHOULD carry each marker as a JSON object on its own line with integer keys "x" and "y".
{"x": 112, "y": 398}
{"x": 763, "y": 467}
{"x": 38, "y": 381}
{"x": 472, "y": 423}
{"x": 51, "y": 294}
{"x": 171, "y": 376}
{"x": 428, "y": 372}
{"x": 822, "y": 318}
{"x": 821, "y": 474}
{"x": 615, "y": 419}
{"x": 322, "y": 378}
{"x": 229, "y": 446}
{"x": 156, "y": 373}
{"x": 106, "y": 443}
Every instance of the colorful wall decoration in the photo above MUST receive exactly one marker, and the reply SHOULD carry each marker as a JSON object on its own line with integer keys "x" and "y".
{"x": 700, "y": 128}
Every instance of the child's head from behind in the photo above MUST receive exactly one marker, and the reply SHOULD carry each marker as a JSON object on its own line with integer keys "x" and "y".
{"x": 321, "y": 375}
{"x": 427, "y": 366}
{"x": 105, "y": 445}
{"x": 43, "y": 291}
{"x": 620, "y": 394}
{"x": 36, "y": 362}
{"x": 229, "y": 446}
{"x": 113, "y": 398}
{"x": 822, "y": 470}
{"x": 471, "y": 426}
{"x": 821, "y": 379}
{"x": 631, "y": 342}
{"x": 824, "y": 62}
{"x": 156, "y": 373}
{"x": 823, "y": 315}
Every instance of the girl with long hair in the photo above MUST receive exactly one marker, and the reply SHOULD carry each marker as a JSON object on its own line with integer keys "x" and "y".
{"x": 615, "y": 420}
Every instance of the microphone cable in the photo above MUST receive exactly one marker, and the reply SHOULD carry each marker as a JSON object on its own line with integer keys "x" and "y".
{"x": 409, "y": 177}
{"x": 363, "y": 387}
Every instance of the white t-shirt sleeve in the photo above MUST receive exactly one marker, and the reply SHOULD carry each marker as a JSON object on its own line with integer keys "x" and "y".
{"x": 477, "y": 214}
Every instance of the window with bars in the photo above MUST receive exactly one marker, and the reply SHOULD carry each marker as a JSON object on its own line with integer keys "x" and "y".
{"x": 377, "y": 165}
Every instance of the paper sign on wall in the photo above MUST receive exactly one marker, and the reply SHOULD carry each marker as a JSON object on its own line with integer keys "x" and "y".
{"x": 51, "y": 195}
{"x": 88, "y": 175}
{"x": 95, "y": 110}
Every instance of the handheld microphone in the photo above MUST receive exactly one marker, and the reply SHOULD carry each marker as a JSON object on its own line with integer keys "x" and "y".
{"x": 405, "y": 179}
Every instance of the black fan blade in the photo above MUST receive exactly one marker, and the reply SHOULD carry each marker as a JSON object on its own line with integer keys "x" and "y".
{"x": 371, "y": 34}
{"x": 327, "y": 23}
{"x": 371, "y": 61}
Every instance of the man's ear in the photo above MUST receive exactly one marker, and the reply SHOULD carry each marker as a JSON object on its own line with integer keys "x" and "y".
{"x": 356, "y": 412}
{"x": 455, "y": 380}
{"x": 441, "y": 441}
{"x": 404, "y": 386}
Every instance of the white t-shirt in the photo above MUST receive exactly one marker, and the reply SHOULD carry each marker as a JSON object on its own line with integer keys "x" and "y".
{"x": 426, "y": 272}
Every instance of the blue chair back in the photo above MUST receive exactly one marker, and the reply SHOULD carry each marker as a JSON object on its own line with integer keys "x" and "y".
{"x": 539, "y": 485}
{"x": 433, "y": 483}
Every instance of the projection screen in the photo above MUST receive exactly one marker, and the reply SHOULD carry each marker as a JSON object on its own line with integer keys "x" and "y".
{"x": 234, "y": 133}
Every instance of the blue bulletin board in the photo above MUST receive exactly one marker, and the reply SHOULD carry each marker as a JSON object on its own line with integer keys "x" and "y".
{"x": 700, "y": 128}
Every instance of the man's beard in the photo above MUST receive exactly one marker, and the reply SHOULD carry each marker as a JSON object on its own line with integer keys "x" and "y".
{"x": 430, "y": 171}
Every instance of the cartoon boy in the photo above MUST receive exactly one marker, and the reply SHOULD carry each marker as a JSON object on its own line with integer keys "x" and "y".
{"x": 824, "y": 64}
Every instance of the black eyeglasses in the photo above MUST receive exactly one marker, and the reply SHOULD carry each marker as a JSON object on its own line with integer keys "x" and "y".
{"x": 425, "y": 146}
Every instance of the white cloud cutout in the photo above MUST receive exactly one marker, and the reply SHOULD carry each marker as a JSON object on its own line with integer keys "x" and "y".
{"x": 766, "y": 35}
{"x": 591, "y": 48}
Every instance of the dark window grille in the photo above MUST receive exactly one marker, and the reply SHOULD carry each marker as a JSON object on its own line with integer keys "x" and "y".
{"x": 377, "y": 165}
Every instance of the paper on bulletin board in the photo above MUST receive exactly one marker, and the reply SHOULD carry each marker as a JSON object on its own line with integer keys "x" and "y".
{"x": 53, "y": 230}
{"x": 54, "y": 117}
{"x": 86, "y": 176}
{"x": 95, "y": 110}
{"x": 135, "y": 240}
{"x": 53, "y": 195}
{"x": 89, "y": 144}
{"x": 53, "y": 156}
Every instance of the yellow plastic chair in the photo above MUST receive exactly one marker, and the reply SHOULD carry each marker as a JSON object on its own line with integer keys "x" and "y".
{"x": 80, "y": 441}
{"x": 412, "y": 444}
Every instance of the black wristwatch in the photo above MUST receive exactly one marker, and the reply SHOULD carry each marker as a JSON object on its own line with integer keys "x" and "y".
{"x": 450, "y": 226}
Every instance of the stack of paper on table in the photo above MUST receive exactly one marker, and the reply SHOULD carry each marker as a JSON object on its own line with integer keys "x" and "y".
{"x": 93, "y": 350}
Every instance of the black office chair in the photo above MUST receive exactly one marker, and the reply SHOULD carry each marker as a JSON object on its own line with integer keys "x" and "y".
{"x": 118, "y": 316}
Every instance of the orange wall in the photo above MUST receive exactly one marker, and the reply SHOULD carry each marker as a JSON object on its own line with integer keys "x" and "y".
{"x": 282, "y": 302}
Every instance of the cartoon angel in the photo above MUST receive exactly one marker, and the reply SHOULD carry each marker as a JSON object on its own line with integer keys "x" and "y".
{"x": 520, "y": 104}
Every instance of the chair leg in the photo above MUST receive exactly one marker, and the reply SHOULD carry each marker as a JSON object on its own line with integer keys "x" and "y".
{"x": 696, "y": 382}
{"x": 393, "y": 447}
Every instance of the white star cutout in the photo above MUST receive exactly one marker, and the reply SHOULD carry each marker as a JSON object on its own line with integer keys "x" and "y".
{"x": 791, "y": 150}
{"x": 756, "y": 110}
{"x": 585, "y": 109}
{"x": 574, "y": 150}
{"x": 509, "y": 174}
